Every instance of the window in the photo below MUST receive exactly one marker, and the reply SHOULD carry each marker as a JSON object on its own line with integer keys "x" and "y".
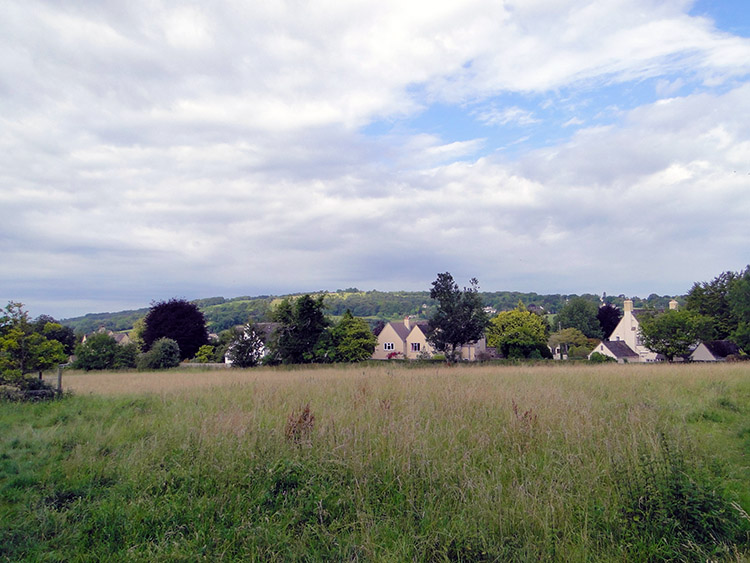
{"x": 416, "y": 346}
{"x": 389, "y": 346}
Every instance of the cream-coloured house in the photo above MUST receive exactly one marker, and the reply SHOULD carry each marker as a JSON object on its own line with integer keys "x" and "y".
{"x": 628, "y": 330}
{"x": 616, "y": 350}
{"x": 403, "y": 340}
{"x": 408, "y": 340}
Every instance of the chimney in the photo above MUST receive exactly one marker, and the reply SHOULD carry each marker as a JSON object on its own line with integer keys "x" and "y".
{"x": 406, "y": 322}
{"x": 673, "y": 305}
{"x": 628, "y": 305}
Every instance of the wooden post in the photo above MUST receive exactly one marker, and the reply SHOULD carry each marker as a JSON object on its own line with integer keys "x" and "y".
{"x": 59, "y": 379}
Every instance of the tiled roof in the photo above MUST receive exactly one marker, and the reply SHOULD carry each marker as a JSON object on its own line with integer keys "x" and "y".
{"x": 619, "y": 348}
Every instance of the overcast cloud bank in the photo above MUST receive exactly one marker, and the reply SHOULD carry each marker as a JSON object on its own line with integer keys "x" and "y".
{"x": 153, "y": 149}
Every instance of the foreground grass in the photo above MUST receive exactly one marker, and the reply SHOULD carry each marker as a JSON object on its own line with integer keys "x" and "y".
{"x": 618, "y": 463}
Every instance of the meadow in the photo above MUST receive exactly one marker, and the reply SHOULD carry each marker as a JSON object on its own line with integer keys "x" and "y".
{"x": 383, "y": 463}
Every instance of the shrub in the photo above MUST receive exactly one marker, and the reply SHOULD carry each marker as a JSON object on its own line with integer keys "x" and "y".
{"x": 674, "y": 510}
{"x": 164, "y": 354}
{"x": 599, "y": 358}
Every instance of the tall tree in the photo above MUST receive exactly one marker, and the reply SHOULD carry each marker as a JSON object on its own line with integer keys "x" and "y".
{"x": 580, "y": 313}
{"x": 673, "y": 333}
{"x": 712, "y": 300}
{"x": 738, "y": 298}
{"x": 609, "y": 317}
{"x": 178, "y": 320}
{"x": 459, "y": 317}
{"x": 302, "y": 322}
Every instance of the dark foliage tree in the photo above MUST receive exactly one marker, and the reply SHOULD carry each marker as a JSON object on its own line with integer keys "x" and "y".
{"x": 164, "y": 354}
{"x": 302, "y": 322}
{"x": 246, "y": 349}
{"x": 178, "y": 320}
{"x": 608, "y": 316}
{"x": 673, "y": 333}
{"x": 459, "y": 317}
{"x": 711, "y": 299}
{"x": 580, "y": 313}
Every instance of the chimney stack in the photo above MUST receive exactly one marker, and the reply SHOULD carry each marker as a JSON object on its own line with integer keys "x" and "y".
{"x": 406, "y": 322}
{"x": 628, "y": 305}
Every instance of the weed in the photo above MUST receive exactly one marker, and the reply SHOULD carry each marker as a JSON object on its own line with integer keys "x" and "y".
{"x": 674, "y": 510}
{"x": 299, "y": 427}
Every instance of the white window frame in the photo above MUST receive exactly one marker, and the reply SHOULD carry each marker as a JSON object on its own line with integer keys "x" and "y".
{"x": 389, "y": 346}
{"x": 416, "y": 346}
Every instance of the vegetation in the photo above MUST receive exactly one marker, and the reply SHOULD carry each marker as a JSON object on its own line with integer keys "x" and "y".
{"x": 23, "y": 350}
{"x": 302, "y": 323}
{"x": 352, "y": 340}
{"x": 459, "y": 317}
{"x": 221, "y": 314}
{"x": 164, "y": 354}
{"x": 582, "y": 315}
{"x": 101, "y": 351}
{"x": 247, "y": 348}
{"x": 176, "y": 320}
{"x": 609, "y": 317}
{"x": 726, "y": 301}
{"x": 519, "y": 334}
{"x": 562, "y": 463}
{"x": 674, "y": 333}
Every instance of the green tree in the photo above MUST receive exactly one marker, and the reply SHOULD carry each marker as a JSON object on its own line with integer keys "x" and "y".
{"x": 580, "y": 313}
{"x": 673, "y": 333}
{"x": 164, "y": 354}
{"x": 101, "y": 351}
{"x": 738, "y": 298}
{"x": 712, "y": 299}
{"x": 459, "y": 317}
{"x": 353, "y": 339}
{"x": 301, "y": 324}
{"x": 22, "y": 350}
{"x": 247, "y": 347}
{"x": 566, "y": 339}
{"x": 98, "y": 351}
{"x": 519, "y": 334}
{"x": 53, "y": 330}
{"x": 178, "y": 320}
{"x": 205, "y": 354}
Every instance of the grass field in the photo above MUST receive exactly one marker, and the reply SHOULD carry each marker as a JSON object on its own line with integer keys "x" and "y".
{"x": 383, "y": 463}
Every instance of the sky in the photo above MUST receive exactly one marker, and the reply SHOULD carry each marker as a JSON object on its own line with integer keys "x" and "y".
{"x": 156, "y": 149}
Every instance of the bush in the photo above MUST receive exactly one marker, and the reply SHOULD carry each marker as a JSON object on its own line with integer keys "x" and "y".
{"x": 599, "y": 358}
{"x": 164, "y": 354}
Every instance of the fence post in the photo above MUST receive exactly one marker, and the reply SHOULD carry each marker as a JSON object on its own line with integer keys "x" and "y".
{"x": 59, "y": 379}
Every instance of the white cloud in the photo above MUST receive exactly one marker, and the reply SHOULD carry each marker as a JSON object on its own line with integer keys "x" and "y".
{"x": 147, "y": 147}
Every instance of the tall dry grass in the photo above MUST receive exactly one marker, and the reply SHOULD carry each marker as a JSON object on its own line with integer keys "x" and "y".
{"x": 383, "y": 462}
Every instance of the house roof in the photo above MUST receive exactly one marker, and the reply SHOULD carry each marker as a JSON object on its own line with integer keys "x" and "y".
{"x": 619, "y": 349}
{"x": 721, "y": 348}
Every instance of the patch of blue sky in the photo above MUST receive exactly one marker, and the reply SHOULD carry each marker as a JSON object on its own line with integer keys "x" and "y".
{"x": 514, "y": 123}
{"x": 732, "y": 16}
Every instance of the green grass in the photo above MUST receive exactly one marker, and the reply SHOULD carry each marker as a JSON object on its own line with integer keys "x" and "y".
{"x": 514, "y": 463}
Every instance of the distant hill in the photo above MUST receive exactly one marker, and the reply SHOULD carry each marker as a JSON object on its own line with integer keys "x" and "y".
{"x": 222, "y": 313}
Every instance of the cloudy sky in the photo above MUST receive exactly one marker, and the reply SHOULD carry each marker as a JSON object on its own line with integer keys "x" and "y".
{"x": 152, "y": 149}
